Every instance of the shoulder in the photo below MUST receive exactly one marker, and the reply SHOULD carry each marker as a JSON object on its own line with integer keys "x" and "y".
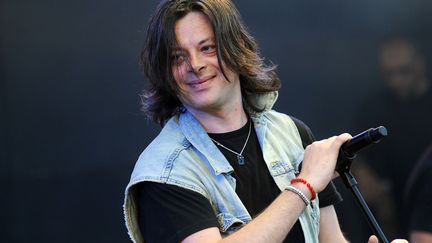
{"x": 170, "y": 135}
{"x": 171, "y": 159}
{"x": 284, "y": 121}
{"x": 165, "y": 147}
{"x": 305, "y": 132}
{"x": 168, "y": 157}
{"x": 272, "y": 117}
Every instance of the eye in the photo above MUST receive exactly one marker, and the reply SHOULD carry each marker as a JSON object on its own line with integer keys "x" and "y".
{"x": 209, "y": 49}
{"x": 177, "y": 58}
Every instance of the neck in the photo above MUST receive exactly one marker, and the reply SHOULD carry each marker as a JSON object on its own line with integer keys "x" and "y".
{"x": 222, "y": 120}
{"x": 423, "y": 87}
{"x": 415, "y": 91}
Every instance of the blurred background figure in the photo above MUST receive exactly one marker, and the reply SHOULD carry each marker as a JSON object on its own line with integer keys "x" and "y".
{"x": 403, "y": 106}
{"x": 404, "y": 70}
{"x": 418, "y": 200}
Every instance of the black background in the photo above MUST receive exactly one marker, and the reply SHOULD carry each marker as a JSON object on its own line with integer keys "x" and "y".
{"x": 71, "y": 128}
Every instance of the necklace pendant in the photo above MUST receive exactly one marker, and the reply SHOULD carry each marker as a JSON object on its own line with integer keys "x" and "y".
{"x": 240, "y": 159}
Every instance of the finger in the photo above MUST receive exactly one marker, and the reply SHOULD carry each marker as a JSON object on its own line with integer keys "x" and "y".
{"x": 373, "y": 239}
{"x": 344, "y": 137}
{"x": 339, "y": 140}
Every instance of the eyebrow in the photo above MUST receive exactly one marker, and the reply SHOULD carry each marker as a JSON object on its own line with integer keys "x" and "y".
{"x": 205, "y": 40}
{"x": 176, "y": 49}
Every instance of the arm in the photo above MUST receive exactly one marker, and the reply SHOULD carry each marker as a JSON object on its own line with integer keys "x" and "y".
{"x": 270, "y": 226}
{"x": 276, "y": 221}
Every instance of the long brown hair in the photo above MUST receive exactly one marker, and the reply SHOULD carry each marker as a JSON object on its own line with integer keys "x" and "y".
{"x": 235, "y": 47}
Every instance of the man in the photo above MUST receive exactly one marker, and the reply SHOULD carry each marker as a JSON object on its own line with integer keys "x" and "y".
{"x": 404, "y": 69}
{"x": 418, "y": 199}
{"x": 222, "y": 150}
{"x": 402, "y": 105}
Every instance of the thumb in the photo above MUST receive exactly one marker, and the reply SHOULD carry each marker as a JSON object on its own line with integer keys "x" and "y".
{"x": 373, "y": 239}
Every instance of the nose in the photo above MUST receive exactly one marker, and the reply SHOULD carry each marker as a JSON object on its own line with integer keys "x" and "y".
{"x": 196, "y": 63}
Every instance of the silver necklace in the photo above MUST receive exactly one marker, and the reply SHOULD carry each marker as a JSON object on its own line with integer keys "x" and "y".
{"x": 240, "y": 157}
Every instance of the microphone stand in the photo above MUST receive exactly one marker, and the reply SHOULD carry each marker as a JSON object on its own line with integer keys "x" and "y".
{"x": 343, "y": 168}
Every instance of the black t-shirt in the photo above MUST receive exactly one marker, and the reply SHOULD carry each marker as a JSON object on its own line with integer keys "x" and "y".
{"x": 419, "y": 195}
{"x": 169, "y": 213}
{"x": 420, "y": 210}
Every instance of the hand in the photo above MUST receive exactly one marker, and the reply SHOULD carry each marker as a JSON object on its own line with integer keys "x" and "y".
{"x": 320, "y": 161}
{"x": 374, "y": 239}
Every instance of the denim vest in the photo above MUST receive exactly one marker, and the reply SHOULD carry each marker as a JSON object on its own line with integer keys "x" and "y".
{"x": 183, "y": 155}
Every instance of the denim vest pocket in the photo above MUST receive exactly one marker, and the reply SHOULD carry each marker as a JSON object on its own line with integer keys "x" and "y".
{"x": 278, "y": 168}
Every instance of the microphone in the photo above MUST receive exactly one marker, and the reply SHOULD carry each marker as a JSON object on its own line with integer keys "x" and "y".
{"x": 347, "y": 153}
{"x": 349, "y": 149}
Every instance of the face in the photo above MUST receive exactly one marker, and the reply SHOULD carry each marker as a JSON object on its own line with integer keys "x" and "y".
{"x": 203, "y": 87}
{"x": 401, "y": 67}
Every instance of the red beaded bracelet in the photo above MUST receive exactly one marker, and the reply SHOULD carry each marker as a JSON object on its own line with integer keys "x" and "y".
{"x": 303, "y": 181}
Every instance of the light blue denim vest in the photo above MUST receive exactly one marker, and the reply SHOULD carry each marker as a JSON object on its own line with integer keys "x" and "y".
{"x": 183, "y": 155}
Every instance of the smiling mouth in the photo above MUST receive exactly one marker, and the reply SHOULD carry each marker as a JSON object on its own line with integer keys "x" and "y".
{"x": 201, "y": 80}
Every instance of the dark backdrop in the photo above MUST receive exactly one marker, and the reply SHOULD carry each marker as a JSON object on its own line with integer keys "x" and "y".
{"x": 71, "y": 128}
